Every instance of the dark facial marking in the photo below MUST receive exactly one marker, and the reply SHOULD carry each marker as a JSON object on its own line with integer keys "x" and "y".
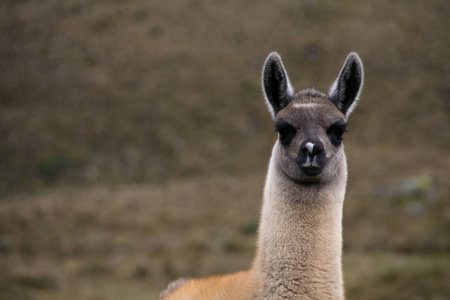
{"x": 335, "y": 132}
{"x": 285, "y": 130}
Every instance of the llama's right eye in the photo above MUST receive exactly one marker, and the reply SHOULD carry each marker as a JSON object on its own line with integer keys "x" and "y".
{"x": 286, "y": 131}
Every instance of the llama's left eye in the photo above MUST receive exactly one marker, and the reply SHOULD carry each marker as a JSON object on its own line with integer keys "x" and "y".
{"x": 336, "y": 131}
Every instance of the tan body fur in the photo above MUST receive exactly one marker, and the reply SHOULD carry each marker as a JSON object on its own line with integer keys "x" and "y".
{"x": 300, "y": 235}
{"x": 300, "y": 241}
{"x": 288, "y": 261}
{"x": 238, "y": 286}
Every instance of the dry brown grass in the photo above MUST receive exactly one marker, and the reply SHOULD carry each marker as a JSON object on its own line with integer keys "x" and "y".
{"x": 130, "y": 241}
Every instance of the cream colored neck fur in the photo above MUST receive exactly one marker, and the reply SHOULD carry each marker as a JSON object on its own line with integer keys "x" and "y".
{"x": 300, "y": 237}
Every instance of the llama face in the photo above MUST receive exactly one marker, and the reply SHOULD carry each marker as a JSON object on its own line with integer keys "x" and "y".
{"x": 310, "y": 124}
{"x": 310, "y": 132}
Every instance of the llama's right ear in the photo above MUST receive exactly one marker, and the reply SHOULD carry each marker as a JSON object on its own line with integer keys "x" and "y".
{"x": 277, "y": 88}
{"x": 345, "y": 91}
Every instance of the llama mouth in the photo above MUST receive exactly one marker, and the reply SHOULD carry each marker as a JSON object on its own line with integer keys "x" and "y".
{"x": 311, "y": 171}
{"x": 310, "y": 180}
{"x": 307, "y": 180}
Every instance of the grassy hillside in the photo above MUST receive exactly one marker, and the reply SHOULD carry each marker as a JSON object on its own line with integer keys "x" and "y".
{"x": 129, "y": 242}
{"x": 134, "y": 140}
{"x": 138, "y": 91}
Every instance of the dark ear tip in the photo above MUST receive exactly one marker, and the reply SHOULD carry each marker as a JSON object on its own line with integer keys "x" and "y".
{"x": 273, "y": 57}
{"x": 354, "y": 58}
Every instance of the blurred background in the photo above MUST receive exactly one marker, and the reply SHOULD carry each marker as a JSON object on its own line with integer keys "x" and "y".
{"x": 134, "y": 140}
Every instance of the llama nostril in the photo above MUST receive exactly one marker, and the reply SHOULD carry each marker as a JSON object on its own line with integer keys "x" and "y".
{"x": 318, "y": 149}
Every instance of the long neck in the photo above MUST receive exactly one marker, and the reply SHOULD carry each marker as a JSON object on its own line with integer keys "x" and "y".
{"x": 300, "y": 237}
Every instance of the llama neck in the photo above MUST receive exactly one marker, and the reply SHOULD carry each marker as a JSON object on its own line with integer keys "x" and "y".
{"x": 300, "y": 238}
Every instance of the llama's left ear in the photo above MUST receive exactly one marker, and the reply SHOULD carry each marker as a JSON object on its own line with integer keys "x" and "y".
{"x": 345, "y": 91}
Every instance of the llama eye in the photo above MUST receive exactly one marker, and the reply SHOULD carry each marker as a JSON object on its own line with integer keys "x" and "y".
{"x": 285, "y": 131}
{"x": 336, "y": 131}
{"x": 286, "y": 136}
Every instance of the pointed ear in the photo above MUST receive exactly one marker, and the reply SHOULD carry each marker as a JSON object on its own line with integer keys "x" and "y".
{"x": 345, "y": 91}
{"x": 276, "y": 86}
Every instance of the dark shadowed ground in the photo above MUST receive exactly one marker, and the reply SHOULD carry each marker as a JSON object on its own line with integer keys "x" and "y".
{"x": 134, "y": 141}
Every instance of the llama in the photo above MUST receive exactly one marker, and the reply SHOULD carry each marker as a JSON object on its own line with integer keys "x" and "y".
{"x": 300, "y": 235}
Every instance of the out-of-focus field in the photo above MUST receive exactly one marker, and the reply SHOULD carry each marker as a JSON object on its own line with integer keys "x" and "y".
{"x": 134, "y": 141}
{"x": 129, "y": 242}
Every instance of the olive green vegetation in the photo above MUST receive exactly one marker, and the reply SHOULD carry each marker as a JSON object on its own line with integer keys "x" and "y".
{"x": 134, "y": 141}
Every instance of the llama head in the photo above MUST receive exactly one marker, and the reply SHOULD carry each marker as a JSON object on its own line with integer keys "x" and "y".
{"x": 310, "y": 124}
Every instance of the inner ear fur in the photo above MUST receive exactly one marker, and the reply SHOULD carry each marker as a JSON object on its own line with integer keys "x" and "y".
{"x": 345, "y": 91}
{"x": 277, "y": 88}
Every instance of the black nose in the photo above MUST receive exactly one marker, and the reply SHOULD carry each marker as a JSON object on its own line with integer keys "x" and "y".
{"x": 311, "y": 157}
{"x": 312, "y": 147}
